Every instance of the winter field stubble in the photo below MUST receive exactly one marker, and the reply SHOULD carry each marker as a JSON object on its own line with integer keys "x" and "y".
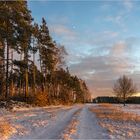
{"x": 121, "y": 122}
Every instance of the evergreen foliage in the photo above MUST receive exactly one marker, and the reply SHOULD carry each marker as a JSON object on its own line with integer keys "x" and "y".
{"x": 32, "y": 63}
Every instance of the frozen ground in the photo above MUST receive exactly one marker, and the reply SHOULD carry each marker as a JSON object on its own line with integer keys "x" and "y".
{"x": 62, "y": 122}
{"x": 133, "y": 108}
{"x": 121, "y": 122}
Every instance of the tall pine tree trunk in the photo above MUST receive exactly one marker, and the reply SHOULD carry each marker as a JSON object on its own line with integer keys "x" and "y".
{"x": 12, "y": 82}
{"x": 2, "y": 69}
{"x": 7, "y": 59}
{"x": 26, "y": 83}
{"x": 42, "y": 85}
{"x": 34, "y": 72}
{"x": 7, "y": 71}
{"x": 20, "y": 79}
{"x": 26, "y": 73}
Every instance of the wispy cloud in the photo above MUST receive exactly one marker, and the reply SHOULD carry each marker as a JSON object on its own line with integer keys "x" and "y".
{"x": 122, "y": 15}
{"x": 100, "y": 72}
{"x": 128, "y": 4}
{"x": 118, "y": 20}
{"x": 61, "y": 30}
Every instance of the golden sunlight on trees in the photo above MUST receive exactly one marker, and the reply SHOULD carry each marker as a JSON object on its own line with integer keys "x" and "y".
{"x": 37, "y": 72}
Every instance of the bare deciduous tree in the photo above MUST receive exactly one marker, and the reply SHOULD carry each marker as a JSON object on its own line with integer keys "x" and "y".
{"x": 124, "y": 88}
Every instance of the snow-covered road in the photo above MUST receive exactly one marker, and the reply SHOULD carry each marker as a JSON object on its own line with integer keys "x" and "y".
{"x": 74, "y": 122}
{"x": 88, "y": 127}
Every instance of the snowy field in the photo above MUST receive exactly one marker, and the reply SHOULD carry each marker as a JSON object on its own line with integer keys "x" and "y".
{"x": 133, "y": 108}
{"x": 90, "y": 121}
{"x": 120, "y": 122}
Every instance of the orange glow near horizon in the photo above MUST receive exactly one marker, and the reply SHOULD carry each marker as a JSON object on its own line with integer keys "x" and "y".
{"x": 137, "y": 94}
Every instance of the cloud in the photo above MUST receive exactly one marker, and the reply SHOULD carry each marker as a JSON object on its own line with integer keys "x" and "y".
{"x": 105, "y": 6}
{"x": 61, "y": 30}
{"x": 118, "y": 20}
{"x": 122, "y": 15}
{"x": 102, "y": 37}
{"x": 99, "y": 58}
{"x": 128, "y": 4}
{"x": 119, "y": 48}
{"x": 101, "y": 71}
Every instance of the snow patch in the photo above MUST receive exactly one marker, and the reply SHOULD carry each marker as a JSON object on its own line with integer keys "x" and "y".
{"x": 70, "y": 130}
{"x": 120, "y": 124}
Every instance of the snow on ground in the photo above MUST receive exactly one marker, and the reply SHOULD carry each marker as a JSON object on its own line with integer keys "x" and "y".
{"x": 61, "y": 122}
{"x": 88, "y": 127}
{"x": 133, "y": 108}
{"x": 89, "y": 121}
{"x": 120, "y": 122}
{"x": 71, "y": 129}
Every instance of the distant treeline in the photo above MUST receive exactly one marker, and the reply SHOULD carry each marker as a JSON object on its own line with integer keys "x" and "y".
{"x": 107, "y": 99}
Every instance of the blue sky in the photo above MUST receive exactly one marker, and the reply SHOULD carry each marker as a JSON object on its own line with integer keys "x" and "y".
{"x": 102, "y": 38}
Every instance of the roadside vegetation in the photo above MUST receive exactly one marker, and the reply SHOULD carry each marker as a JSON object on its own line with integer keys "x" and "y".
{"x": 6, "y": 130}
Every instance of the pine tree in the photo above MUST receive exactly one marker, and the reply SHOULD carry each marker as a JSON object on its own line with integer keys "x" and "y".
{"x": 34, "y": 50}
{"x": 14, "y": 18}
{"x": 19, "y": 35}
{"x": 2, "y": 69}
{"x": 24, "y": 39}
{"x": 48, "y": 52}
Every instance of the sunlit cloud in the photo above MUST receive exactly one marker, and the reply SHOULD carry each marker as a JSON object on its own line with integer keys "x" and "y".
{"x": 100, "y": 72}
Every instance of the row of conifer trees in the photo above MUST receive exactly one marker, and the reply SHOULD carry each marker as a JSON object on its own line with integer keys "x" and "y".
{"x": 31, "y": 62}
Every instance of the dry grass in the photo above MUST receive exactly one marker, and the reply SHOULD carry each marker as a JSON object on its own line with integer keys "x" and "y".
{"x": 124, "y": 132}
{"x": 6, "y": 130}
{"x": 71, "y": 128}
{"x": 108, "y": 111}
{"x": 116, "y": 121}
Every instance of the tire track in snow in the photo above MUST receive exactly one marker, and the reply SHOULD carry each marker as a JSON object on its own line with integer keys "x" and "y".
{"x": 71, "y": 128}
{"x": 56, "y": 127}
{"x": 76, "y": 122}
{"x": 34, "y": 124}
{"x": 88, "y": 127}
